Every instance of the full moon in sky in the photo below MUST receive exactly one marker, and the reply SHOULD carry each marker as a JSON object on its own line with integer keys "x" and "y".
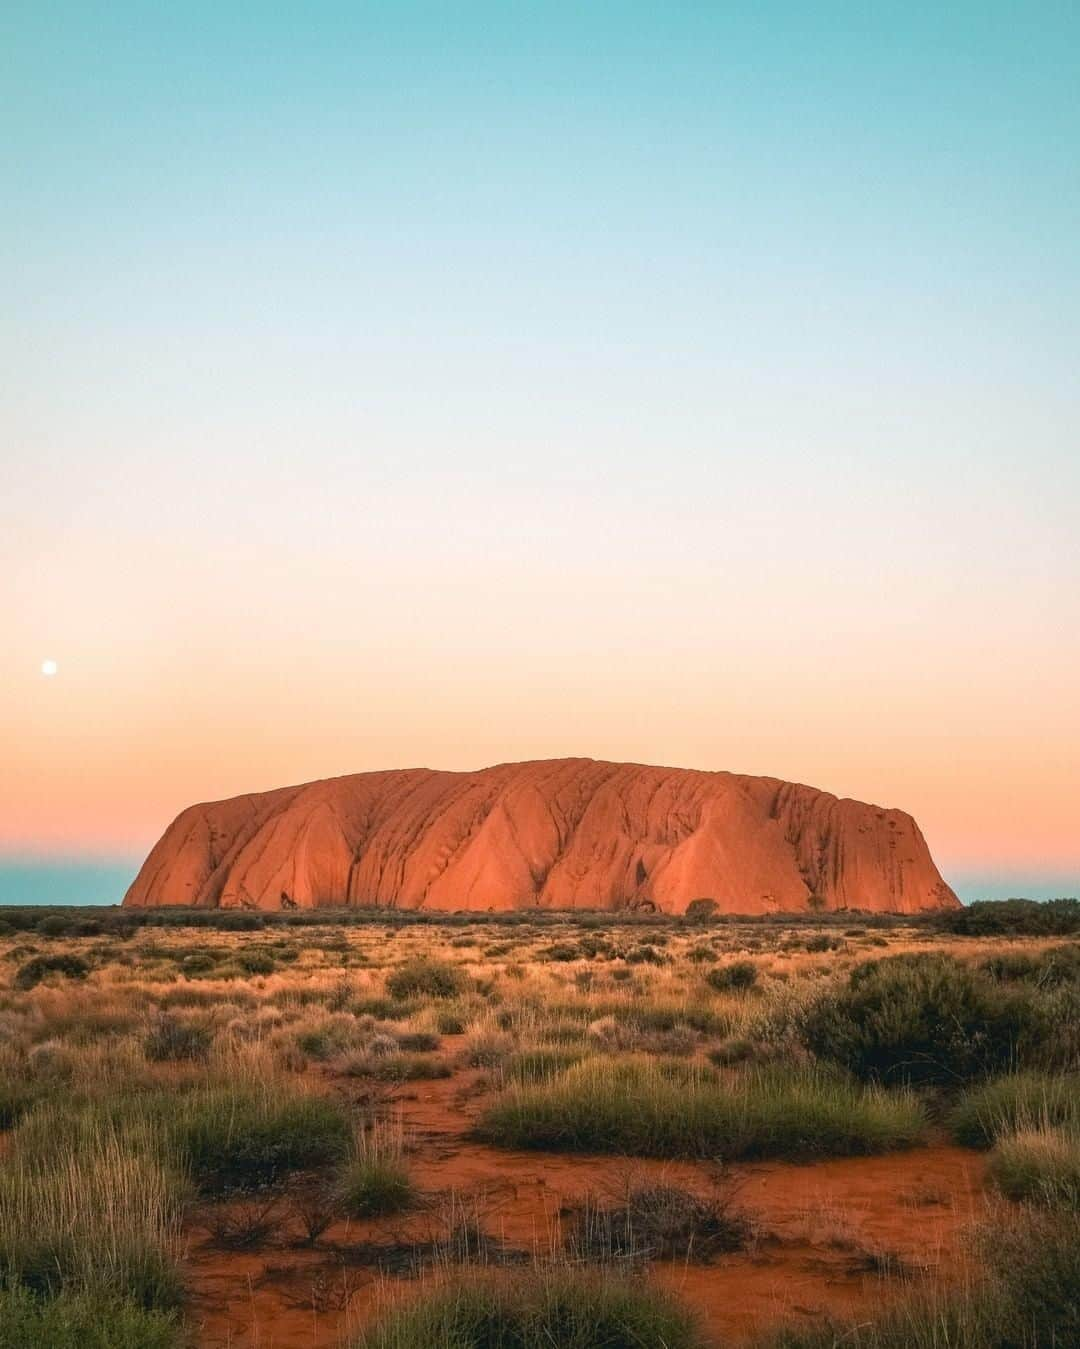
{"x": 49, "y": 668}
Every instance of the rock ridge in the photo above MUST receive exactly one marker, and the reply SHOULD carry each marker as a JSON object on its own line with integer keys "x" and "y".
{"x": 559, "y": 833}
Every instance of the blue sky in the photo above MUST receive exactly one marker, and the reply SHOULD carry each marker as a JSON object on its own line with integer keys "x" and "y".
{"x": 400, "y": 383}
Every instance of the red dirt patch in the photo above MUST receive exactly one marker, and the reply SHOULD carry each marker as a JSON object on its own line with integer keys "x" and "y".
{"x": 831, "y": 1231}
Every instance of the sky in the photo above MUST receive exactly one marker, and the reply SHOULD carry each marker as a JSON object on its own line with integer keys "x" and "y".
{"x": 419, "y": 384}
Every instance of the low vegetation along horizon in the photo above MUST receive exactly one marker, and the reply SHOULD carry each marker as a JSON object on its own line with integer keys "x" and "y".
{"x": 384, "y": 1130}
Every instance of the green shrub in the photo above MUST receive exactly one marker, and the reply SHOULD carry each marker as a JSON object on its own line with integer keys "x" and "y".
{"x": 256, "y": 962}
{"x": 385, "y": 1009}
{"x": 560, "y": 951}
{"x": 822, "y": 942}
{"x": 649, "y": 1108}
{"x": 245, "y": 1136}
{"x": 394, "y": 1067}
{"x": 1040, "y": 1166}
{"x": 425, "y": 979}
{"x": 1012, "y": 917}
{"x": 419, "y": 1042}
{"x": 701, "y": 910}
{"x": 76, "y": 1321}
{"x": 330, "y": 1037}
{"x": 541, "y": 1063}
{"x": 924, "y": 1019}
{"x": 989, "y": 1111}
{"x": 230, "y": 921}
{"x": 736, "y": 977}
{"x": 646, "y": 954}
{"x": 537, "y": 1309}
{"x": 54, "y": 925}
{"x": 377, "y": 1182}
{"x": 199, "y": 962}
{"x": 1056, "y": 966}
{"x": 88, "y": 1214}
{"x": 32, "y": 973}
{"x": 172, "y": 1039}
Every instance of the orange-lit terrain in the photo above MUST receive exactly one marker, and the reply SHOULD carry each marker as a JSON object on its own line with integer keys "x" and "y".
{"x": 557, "y": 834}
{"x": 406, "y": 1043}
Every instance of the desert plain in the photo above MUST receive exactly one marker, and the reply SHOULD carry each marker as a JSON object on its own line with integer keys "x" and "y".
{"x": 377, "y": 1129}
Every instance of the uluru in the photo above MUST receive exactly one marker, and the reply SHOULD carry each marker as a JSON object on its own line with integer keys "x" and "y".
{"x": 556, "y": 834}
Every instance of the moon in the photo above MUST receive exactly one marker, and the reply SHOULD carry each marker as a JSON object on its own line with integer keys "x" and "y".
{"x": 49, "y": 668}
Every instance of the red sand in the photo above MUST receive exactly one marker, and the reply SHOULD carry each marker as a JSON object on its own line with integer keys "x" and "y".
{"x": 827, "y": 1228}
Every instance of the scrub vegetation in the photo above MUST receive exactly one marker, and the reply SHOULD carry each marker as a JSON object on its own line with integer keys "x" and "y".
{"x": 349, "y": 1098}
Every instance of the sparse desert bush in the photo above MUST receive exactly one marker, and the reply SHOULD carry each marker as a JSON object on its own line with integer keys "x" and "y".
{"x": 1059, "y": 965}
{"x": 386, "y": 1009}
{"x": 658, "y": 1222}
{"x": 393, "y": 1067}
{"x": 645, "y": 954}
{"x": 644, "y": 1107}
{"x": 78, "y": 1321}
{"x": 701, "y": 910}
{"x": 736, "y": 977}
{"x": 98, "y": 1218}
{"x": 701, "y": 954}
{"x": 540, "y": 1063}
{"x": 418, "y": 1042}
{"x": 425, "y": 979}
{"x": 537, "y": 1309}
{"x": 1038, "y": 1165}
{"x": 489, "y": 1048}
{"x": 926, "y": 1019}
{"x": 256, "y": 962}
{"x": 334, "y": 1035}
{"x": 34, "y": 971}
{"x": 991, "y": 1110}
{"x": 17, "y": 1096}
{"x": 246, "y": 1135}
{"x": 169, "y": 1038}
{"x": 54, "y": 925}
{"x": 560, "y": 951}
{"x": 639, "y": 1059}
{"x": 451, "y": 1021}
{"x": 820, "y": 942}
{"x": 376, "y": 1181}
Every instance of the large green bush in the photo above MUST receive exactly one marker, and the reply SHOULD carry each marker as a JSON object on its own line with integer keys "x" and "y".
{"x": 928, "y": 1019}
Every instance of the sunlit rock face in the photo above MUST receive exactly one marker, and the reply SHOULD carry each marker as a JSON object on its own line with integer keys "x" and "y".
{"x": 559, "y": 834}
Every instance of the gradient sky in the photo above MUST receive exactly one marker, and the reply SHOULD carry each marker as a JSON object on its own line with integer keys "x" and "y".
{"x": 394, "y": 384}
